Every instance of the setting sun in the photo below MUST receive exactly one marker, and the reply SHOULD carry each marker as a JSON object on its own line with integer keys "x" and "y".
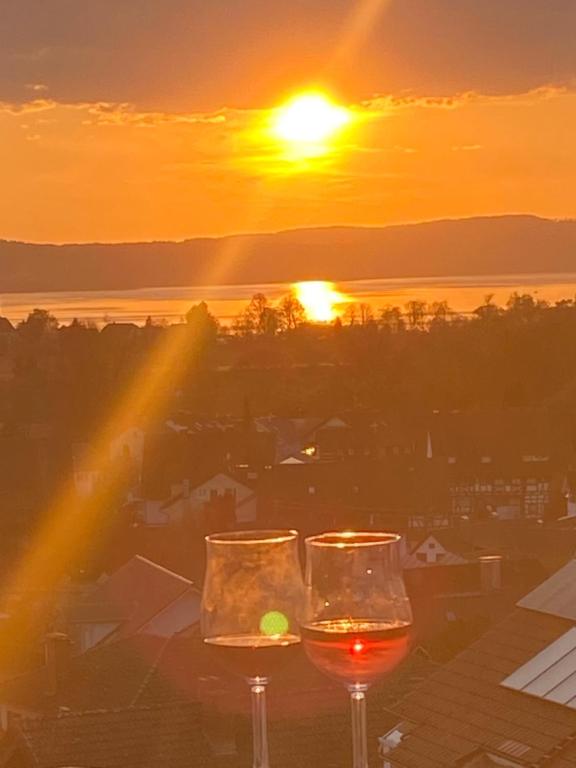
{"x": 320, "y": 299}
{"x": 308, "y": 122}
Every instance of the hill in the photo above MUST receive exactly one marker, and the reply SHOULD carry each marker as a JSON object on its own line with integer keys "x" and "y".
{"x": 477, "y": 246}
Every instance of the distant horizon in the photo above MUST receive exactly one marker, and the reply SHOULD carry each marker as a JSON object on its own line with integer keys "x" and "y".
{"x": 319, "y": 227}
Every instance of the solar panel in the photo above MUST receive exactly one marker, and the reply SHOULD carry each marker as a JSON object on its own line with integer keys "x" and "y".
{"x": 551, "y": 675}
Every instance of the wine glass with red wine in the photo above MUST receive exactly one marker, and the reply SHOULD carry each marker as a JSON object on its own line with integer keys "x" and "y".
{"x": 358, "y": 617}
{"x": 252, "y": 609}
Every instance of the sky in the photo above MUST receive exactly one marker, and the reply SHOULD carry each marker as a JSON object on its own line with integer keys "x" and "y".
{"x": 148, "y": 119}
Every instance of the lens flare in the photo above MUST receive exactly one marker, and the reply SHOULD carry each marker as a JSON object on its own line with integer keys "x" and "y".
{"x": 274, "y": 623}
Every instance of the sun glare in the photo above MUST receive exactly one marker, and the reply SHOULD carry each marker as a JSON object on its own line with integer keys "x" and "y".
{"x": 309, "y": 123}
{"x": 320, "y": 300}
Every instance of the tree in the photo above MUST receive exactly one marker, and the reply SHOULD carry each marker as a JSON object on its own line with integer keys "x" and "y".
{"x": 415, "y": 314}
{"x": 269, "y": 322}
{"x": 439, "y": 312}
{"x": 351, "y": 314}
{"x": 365, "y": 314}
{"x": 392, "y": 320}
{"x": 524, "y": 306}
{"x": 258, "y": 317}
{"x": 200, "y": 320}
{"x": 38, "y": 322}
{"x": 488, "y": 310}
{"x": 291, "y": 313}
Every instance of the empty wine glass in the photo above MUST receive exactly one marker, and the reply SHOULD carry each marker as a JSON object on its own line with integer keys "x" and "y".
{"x": 358, "y": 616}
{"x": 252, "y": 608}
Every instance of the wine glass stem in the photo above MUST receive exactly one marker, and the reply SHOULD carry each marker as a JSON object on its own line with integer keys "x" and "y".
{"x": 259, "y": 724}
{"x": 359, "y": 741}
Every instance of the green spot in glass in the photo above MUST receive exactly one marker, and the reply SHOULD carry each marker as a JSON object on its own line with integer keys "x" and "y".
{"x": 274, "y": 623}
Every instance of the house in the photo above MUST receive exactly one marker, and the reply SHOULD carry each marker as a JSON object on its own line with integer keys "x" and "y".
{"x": 508, "y": 700}
{"x": 124, "y": 452}
{"x": 506, "y": 464}
{"x": 440, "y": 546}
{"x": 219, "y": 501}
{"x": 361, "y": 492}
{"x": 193, "y": 448}
{"x": 344, "y": 437}
{"x": 140, "y": 597}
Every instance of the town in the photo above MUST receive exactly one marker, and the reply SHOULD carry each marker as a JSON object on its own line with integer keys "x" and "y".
{"x": 458, "y": 433}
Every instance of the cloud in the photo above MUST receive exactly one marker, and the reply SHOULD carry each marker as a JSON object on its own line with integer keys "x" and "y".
{"x": 27, "y": 107}
{"x": 128, "y": 115}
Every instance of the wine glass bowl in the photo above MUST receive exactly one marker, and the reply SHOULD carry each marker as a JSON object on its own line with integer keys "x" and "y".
{"x": 252, "y": 608}
{"x": 358, "y": 617}
{"x": 252, "y": 600}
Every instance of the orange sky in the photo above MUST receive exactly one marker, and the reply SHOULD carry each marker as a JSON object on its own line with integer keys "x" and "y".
{"x": 445, "y": 126}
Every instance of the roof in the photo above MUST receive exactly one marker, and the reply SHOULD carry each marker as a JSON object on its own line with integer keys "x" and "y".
{"x": 147, "y": 670}
{"x": 169, "y": 736}
{"x": 179, "y": 733}
{"x": 176, "y": 617}
{"x": 551, "y": 674}
{"x": 5, "y": 325}
{"x": 136, "y": 592}
{"x": 463, "y": 707}
{"x": 479, "y": 701}
{"x": 557, "y": 595}
{"x": 105, "y": 677}
{"x": 451, "y": 540}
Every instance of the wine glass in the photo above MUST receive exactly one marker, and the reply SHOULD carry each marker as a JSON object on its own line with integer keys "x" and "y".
{"x": 358, "y": 617}
{"x": 252, "y": 608}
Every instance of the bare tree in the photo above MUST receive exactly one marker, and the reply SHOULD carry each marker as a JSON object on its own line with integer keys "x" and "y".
{"x": 291, "y": 313}
{"x": 416, "y": 314}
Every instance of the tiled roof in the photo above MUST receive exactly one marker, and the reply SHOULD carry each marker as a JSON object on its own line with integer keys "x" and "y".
{"x": 108, "y": 676}
{"x": 463, "y": 707}
{"x": 170, "y": 737}
{"x": 185, "y": 734}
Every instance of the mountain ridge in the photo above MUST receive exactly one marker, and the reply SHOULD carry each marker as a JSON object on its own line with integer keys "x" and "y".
{"x": 510, "y": 244}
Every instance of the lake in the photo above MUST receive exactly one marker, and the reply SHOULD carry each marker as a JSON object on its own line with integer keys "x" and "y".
{"x": 463, "y": 294}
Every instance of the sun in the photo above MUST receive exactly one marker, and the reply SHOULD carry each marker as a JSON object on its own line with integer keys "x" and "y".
{"x": 308, "y": 123}
{"x": 320, "y": 299}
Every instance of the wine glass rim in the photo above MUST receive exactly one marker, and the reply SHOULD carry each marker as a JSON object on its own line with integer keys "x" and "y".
{"x": 253, "y": 537}
{"x": 342, "y": 539}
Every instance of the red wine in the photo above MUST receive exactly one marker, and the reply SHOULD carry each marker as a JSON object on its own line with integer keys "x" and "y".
{"x": 253, "y": 655}
{"x": 356, "y": 650}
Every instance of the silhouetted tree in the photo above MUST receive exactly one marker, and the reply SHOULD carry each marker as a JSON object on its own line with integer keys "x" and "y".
{"x": 488, "y": 310}
{"x": 291, "y": 313}
{"x": 38, "y": 322}
{"x": 416, "y": 314}
{"x": 202, "y": 322}
{"x": 392, "y": 319}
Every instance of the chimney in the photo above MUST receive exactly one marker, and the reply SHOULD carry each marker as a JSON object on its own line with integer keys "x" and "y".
{"x": 491, "y": 573}
{"x": 58, "y": 650}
